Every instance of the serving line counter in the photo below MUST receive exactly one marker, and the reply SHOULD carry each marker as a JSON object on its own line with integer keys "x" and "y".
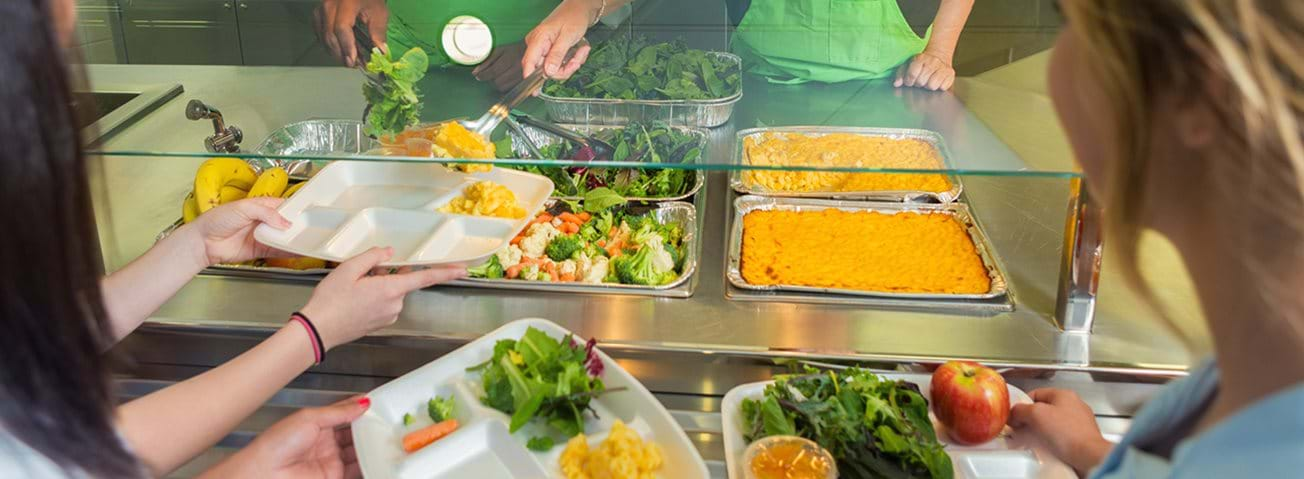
{"x": 688, "y": 350}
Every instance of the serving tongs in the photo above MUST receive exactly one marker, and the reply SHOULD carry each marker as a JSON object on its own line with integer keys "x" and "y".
{"x": 365, "y": 46}
{"x": 602, "y": 151}
{"x": 525, "y": 89}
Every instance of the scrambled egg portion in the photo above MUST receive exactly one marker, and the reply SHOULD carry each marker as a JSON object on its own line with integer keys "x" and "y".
{"x": 621, "y": 455}
{"x": 868, "y": 251}
{"x": 486, "y": 198}
{"x": 842, "y": 150}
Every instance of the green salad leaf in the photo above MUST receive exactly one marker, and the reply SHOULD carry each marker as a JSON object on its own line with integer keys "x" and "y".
{"x": 538, "y": 378}
{"x": 632, "y": 68}
{"x": 652, "y": 143}
{"x": 875, "y": 428}
{"x": 395, "y": 103}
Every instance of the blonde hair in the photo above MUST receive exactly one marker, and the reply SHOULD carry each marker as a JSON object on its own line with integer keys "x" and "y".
{"x": 1245, "y": 59}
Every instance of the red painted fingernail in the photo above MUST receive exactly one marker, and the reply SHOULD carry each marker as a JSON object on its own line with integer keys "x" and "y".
{"x": 364, "y": 401}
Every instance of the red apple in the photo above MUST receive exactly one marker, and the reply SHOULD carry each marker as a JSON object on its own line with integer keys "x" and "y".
{"x": 971, "y": 400}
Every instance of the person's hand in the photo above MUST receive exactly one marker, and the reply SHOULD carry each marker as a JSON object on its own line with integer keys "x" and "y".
{"x": 927, "y": 70}
{"x": 503, "y": 67}
{"x": 226, "y": 232}
{"x": 334, "y": 21}
{"x": 311, "y": 443}
{"x": 1061, "y": 421}
{"x": 349, "y": 303}
{"x": 548, "y": 43}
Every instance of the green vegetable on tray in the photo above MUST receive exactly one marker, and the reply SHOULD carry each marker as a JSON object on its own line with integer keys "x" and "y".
{"x": 654, "y": 143}
{"x": 633, "y": 68}
{"x": 538, "y": 378}
{"x": 874, "y": 427}
{"x": 395, "y": 103}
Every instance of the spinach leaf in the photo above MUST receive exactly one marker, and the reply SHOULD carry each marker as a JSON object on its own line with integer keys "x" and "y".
{"x": 629, "y": 67}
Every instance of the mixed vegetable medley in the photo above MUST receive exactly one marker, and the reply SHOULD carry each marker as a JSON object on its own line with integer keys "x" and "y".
{"x": 611, "y": 246}
{"x": 646, "y": 143}
{"x": 538, "y": 378}
{"x": 633, "y": 68}
{"x": 874, "y": 427}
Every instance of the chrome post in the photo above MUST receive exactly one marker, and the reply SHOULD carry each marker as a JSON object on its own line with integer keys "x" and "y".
{"x": 1075, "y": 305}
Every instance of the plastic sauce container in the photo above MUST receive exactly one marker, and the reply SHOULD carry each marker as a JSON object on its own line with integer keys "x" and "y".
{"x": 788, "y": 457}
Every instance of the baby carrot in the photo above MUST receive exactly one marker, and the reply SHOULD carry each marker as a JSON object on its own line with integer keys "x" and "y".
{"x": 568, "y": 277}
{"x": 542, "y": 218}
{"x": 518, "y": 239}
{"x": 423, "y": 437}
{"x": 570, "y": 218}
{"x": 514, "y": 271}
{"x": 570, "y": 228}
{"x": 585, "y": 216}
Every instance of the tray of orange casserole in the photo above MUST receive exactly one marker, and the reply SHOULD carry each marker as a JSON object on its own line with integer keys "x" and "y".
{"x": 903, "y": 154}
{"x": 867, "y": 249}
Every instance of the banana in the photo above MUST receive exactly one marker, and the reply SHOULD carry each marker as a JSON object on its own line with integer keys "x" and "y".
{"x": 231, "y": 193}
{"x": 216, "y": 173}
{"x": 189, "y": 209}
{"x": 270, "y": 184}
{"x": 293, "y": 189}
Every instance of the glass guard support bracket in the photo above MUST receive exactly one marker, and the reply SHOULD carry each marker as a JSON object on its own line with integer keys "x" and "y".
{"x": 1075, "y": 304}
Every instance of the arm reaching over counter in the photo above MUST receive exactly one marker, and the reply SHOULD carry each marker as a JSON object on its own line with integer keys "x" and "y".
{"x": 933, "y": 68}
{"x": 547, "y": 44}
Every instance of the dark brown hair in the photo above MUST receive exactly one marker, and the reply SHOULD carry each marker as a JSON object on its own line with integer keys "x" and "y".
{"x": 56, "y": 393}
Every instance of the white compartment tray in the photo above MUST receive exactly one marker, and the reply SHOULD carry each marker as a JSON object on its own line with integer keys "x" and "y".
{"x": 482, "y": 448}
{"x": 350, "y": 206}
{"x": 999, "y": 458}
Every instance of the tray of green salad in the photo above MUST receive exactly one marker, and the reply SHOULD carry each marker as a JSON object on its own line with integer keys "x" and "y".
{"x": 664, "y": 148}
{"x": 874, "y": 425}
{"x": 630, "y": 78}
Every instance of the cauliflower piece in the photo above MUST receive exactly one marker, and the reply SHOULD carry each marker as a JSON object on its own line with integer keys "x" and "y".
{"x": 537, "y": 239}
{"x": 509, "y": 256}
{"x": 596, "y": 271}
{"x": 567, "y": 267}
{"x": 535, "y": 273}
{"x": 661, "y": 259}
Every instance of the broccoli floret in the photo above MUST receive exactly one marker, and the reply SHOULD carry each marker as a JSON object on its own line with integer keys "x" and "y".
{"x": 641, "y": 268}
{"x": 491, "y": 269}
{"x": 562, "y": 248}
{"x": 598, "y": 227}
{"x": 439, "y": 408}
{"x": 673, "y": 233}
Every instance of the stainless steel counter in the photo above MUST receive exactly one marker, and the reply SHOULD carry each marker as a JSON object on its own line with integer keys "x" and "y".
{"x": 139, "y": 196}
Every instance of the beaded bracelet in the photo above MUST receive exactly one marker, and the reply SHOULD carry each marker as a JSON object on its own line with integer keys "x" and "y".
{"x": 318, "y": 348}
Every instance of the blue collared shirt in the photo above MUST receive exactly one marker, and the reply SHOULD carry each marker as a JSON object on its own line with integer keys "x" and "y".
{"x": 1265, "y": 439}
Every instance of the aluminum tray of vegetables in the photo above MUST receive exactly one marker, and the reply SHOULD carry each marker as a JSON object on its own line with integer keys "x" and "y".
{"x": 653, "y": 143}
{"x": 847, "y": 147}
{"x": 631, "y": 79}
{"x": 621, "y": 250}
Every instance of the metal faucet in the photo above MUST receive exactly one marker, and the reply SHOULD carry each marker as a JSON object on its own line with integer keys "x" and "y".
{"x": 225, "y": 139}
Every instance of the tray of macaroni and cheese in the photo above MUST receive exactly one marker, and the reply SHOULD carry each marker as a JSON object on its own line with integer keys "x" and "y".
{"x": 901, "y": 153}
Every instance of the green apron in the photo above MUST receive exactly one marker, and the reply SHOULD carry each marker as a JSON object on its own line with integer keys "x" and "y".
{"x": 831, "y": 41}
{"x": 420, "y": 23}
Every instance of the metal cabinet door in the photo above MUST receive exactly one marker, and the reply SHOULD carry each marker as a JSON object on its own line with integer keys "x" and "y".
{"x": 281, "y": 32}
{"x": 188, "y": 32}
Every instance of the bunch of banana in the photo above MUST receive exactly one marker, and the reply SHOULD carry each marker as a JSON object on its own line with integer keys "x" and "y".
{"x": 223, "y": 180}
